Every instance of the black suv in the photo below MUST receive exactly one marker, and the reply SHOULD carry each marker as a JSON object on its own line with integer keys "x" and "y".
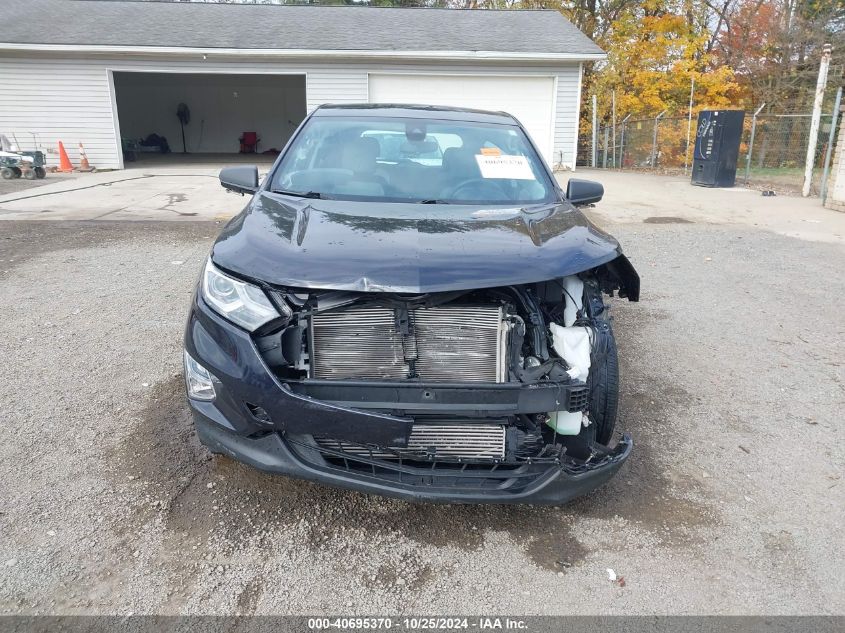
{"x": 410, "y": 305}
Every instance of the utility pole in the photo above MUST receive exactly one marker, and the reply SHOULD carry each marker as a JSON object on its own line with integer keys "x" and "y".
{"x": 622, "y": 142}
{"x": 606, "y": 142}
{"x": 654, "y": 140}
{"x": 613, "y": 96}
{"x": 595, "y": 133}
{"x": 751, "y": 142}
{"x": 814, "y": 123}
{"x": 689, "y": 124}
{"x": 830, "y": 140}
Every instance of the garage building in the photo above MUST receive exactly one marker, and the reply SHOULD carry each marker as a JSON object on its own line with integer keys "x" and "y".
{"x": 97, "y": 72}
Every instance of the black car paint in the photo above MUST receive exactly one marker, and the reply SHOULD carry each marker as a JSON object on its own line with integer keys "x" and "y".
{"x": 409, "y": 248}
{"x": 412, "y": 248}
{"x": 286, "y": 241}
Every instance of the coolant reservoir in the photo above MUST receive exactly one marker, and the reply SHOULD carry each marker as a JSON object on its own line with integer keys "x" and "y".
{"x": 565, "y": 423}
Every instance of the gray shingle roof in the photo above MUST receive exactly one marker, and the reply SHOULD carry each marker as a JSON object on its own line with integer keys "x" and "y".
{"x": 195, "y": 25}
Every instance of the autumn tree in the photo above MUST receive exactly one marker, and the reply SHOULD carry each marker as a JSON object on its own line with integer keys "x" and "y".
{"x": 654, "y": 51}
{"x": 774, "y": 48}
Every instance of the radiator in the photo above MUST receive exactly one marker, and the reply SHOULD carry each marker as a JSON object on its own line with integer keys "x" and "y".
{"x": 470, "y": 441}
{"x": 451, "y": 343}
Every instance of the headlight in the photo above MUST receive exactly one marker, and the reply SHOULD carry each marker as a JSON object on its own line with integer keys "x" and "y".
{"x": 198, "y": 380}
{"x": 240, "y": 302}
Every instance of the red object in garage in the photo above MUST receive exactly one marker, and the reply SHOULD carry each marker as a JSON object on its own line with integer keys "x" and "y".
{"x": 249, "y": 142}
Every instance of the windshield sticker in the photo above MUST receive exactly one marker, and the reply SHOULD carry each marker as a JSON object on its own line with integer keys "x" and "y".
{"x": 511, "y": 167}
{"x": 491, "y": 151}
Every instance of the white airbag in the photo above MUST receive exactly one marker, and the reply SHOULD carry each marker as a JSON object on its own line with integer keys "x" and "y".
{"x": 573, "y": 345}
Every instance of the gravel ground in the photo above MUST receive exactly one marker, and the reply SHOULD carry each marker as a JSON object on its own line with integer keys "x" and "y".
{"x": 732, "y": 389}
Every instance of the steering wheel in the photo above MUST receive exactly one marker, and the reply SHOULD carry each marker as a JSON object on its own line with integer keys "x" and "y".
{"x": 492, "y": 189}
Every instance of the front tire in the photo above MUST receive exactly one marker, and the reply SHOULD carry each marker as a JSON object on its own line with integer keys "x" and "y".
{"x": 603, "y": 382}
{"x": 603, "y": 379}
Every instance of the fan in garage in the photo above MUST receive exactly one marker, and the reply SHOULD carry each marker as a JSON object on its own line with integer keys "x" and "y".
{"x": 183, "y": 113}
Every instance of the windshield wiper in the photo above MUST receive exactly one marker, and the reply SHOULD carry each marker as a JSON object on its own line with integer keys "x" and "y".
{"x": 434, "y": 201}
{"x": 303, "y": 194}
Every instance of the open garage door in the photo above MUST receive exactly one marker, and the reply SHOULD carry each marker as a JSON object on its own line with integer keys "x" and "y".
{"x": 228, "y": 114}
{"x": 529, "y": 99}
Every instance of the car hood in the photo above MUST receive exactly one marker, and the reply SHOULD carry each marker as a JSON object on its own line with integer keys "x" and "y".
{"x": 407, "y": 248}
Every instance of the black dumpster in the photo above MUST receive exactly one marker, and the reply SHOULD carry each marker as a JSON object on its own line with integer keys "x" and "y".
{"x": 717, "y": 140}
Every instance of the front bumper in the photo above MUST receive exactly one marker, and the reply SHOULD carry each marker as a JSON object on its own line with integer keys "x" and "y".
{"x": 540, "y": 484}
{"x": 279, "y": 439}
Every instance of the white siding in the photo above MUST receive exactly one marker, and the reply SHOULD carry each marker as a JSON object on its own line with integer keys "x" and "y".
{"x": 567, "y": 109}
{"x": 69, "y": 99}
{"x": 58, "y": 102}
{"x": 335, "y": 85}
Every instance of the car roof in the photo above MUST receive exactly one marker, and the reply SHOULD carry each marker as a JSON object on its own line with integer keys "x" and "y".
{"x": 414, "y": 111}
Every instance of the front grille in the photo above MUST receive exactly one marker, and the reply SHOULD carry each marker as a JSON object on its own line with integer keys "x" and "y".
{"x": 445, "y": 473}
{"x": 469, "y": 441}
{"x": 445, "y": 343}
{"x": 579, "y": 398}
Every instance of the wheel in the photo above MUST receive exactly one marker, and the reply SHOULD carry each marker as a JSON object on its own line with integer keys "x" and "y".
{"x": 603, "y": 382}
{"x": 40, "y": 172}
{"x": 603, "y": 379}
{"x": 7, "y": 173}
{"x": 29, "y": 174}
{"x": 17, "y": 171}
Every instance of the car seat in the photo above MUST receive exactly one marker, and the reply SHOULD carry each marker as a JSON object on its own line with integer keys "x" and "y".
{"x": 360, "y": 156}
{"x": 249, "y": 142}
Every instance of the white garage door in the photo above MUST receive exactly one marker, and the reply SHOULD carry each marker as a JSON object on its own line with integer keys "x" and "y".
{"x": 529, "y": 99}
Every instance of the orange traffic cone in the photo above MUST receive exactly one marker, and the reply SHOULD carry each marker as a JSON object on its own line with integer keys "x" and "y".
{"x": 64, "y": 161}
{"x": 83, "y": 160}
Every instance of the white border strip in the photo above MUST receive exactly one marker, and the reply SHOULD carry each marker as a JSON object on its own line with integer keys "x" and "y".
{"x": 296, "y": 52}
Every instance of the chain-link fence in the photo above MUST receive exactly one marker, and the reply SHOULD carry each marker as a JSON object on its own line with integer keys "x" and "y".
{"x": 779, "y": 150}
{"x": 639, "y": 144}
{"x": 772, "y": 151}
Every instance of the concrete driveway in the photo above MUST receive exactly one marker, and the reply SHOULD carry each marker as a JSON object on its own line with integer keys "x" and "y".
{"x": 171, "y": 190}
{"x": 732, "y": 387}
{"x": 154, "y": 190}
{"x": 657, "y": 199}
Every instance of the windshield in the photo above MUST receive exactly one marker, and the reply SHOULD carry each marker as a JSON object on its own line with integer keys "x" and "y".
{"x": 393, "y": 159}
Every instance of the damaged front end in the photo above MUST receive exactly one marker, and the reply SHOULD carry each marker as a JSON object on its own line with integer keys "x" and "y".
{"x": 499, "y": 394}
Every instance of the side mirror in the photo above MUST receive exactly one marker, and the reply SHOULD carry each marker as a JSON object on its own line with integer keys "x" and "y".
{"x": 241, "y": 179}
{"x": 580, "y": 192}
